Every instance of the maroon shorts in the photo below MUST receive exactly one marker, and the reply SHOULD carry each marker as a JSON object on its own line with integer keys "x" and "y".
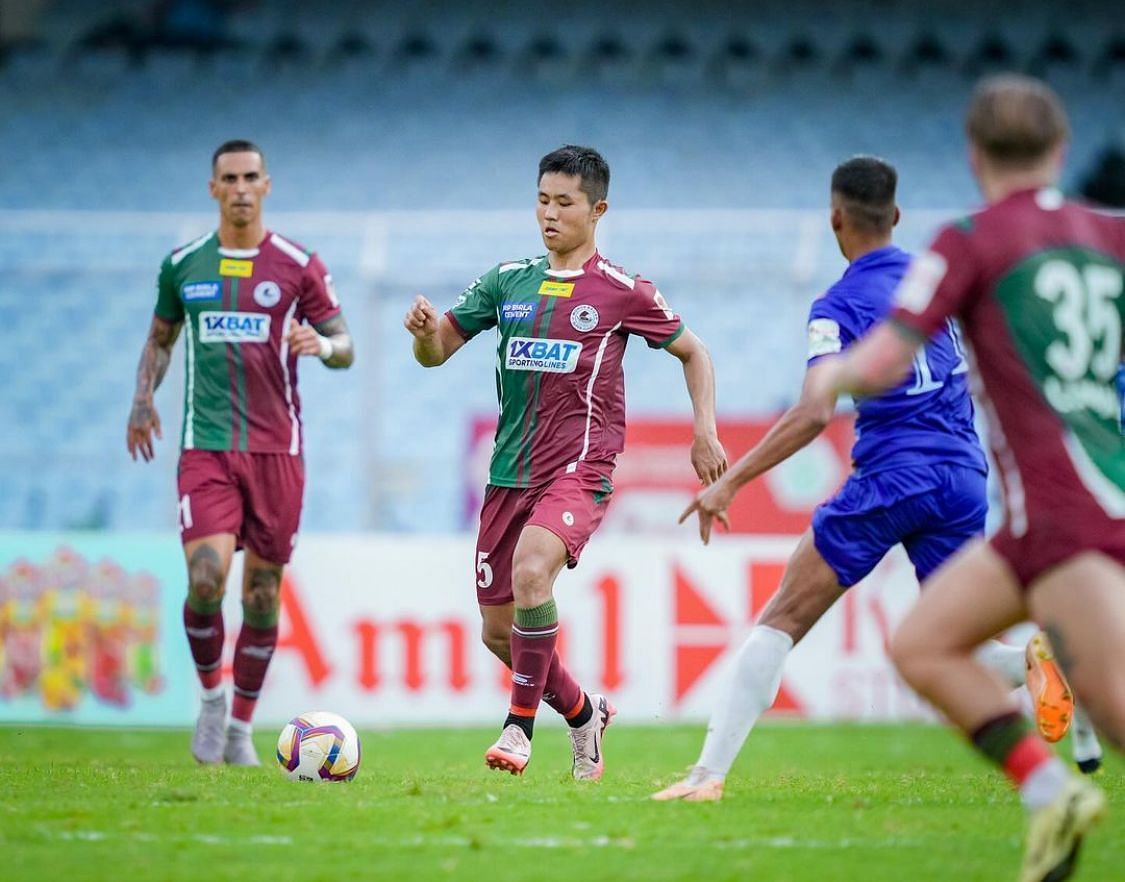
{"x": 571, "y": 506}
{"x": 255, "y": 496}
{"x": 1054, "y": 539}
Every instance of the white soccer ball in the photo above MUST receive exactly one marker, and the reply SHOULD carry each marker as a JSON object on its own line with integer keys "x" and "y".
{"x": 318, "y": 746}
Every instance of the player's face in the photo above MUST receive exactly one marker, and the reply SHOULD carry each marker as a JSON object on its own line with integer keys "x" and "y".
{"x": 239, "y": 183}
{"x": 566, "y": 217}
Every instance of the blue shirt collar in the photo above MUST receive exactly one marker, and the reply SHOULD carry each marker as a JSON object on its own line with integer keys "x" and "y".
{"x": 872, "y": 258}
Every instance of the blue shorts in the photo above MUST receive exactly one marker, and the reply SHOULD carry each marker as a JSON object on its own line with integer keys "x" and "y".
{"x": 931, "y": 510}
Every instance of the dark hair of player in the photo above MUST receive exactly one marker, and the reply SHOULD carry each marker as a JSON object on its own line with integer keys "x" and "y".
{"x": 237, "y": 146}
{"x": 583, "y": 162}
{"x": 866, "y": 184}
{"x": 1015, "y": 120}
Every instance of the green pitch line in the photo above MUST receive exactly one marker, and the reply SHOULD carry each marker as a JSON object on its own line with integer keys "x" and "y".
{"x": 870, "y": 803}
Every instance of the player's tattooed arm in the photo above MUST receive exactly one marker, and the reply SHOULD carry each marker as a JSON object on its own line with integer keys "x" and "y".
{"x": 144, "y": 421}
{"x": 330, "y": 341}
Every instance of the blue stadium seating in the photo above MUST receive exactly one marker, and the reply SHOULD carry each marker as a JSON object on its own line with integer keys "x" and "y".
{"x": 366, "y": 107}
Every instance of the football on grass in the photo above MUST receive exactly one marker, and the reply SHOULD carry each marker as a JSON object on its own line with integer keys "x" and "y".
{"x": 318, "y": 746}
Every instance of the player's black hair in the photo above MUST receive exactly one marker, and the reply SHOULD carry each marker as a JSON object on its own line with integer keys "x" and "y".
{"x": 583, "y": 162}
{"x": 237, "y": 146}
{"x": 867, "y": 186}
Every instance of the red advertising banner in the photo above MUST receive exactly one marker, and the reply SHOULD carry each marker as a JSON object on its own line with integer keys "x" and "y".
{"x": 654, "y": 480}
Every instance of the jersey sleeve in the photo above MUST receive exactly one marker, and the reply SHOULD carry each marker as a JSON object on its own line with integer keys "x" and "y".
{"x": 317, "y": 301}
{"x": 169, "y": 306}
{"x": 475, "y": 309}
{"x": 832, "y": 327}
{"x": 649, "y": 316}
{"x": 940, "y": 284}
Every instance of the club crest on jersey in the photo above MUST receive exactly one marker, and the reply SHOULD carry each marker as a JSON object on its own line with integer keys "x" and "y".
{"x": 556, "y": 289}
{"x": 243, "y": 269}
{"x": 548, "y": 356}
{"x": 584, "y": 318}
{"x": 267, "y": 294}
{"x": 193, "y": 292}
{"x": 233, "y": 327}
{"x": 518, "y": 311}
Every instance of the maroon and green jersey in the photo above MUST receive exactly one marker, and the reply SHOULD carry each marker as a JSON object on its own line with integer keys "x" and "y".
{"x": 561, "y": 339}
{"x": 235, "y": 305}
{"x": 1037, "y": 284}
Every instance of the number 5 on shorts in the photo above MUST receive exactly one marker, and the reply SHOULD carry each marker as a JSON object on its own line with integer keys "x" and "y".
{"x": 484, "y": 570}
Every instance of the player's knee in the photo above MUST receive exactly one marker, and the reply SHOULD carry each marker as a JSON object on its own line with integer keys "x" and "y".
{"x": 263, "y": 593}
{"x": 206, "y": 579}
{"x": 531, "y": 580}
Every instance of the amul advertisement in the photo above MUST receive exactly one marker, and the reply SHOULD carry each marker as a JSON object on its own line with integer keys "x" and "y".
{"x": 385, "y": 631}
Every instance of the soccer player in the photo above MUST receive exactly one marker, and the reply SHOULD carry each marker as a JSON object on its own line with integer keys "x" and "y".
{"x": 243, "y": 295}
{"x": 919, "y": 480}
{"x": 1037, "y": 282}
{"x": 563, "y": 320}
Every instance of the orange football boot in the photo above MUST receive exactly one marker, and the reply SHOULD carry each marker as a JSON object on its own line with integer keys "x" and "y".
{"x": 1050, "y": 693}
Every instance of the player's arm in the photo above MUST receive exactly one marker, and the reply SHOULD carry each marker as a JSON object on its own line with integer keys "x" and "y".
{"x": 435, "y": 337}
{"x": 329, "y": 340}
{"x": 797, "y": 427}
{"x": 707, "y": 455}
{"x": 144, "y": 421}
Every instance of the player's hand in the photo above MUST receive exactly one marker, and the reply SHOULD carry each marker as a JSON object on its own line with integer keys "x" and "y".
{"x": 302, "y": 339}
{"x": 708, "y": 458}
{"x": 422, "y": 318}
{"x": 711, "y": 505}
{"x": 144, "y": 422}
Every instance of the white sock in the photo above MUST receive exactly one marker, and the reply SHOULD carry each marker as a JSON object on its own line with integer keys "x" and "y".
{"x": 240, "y": 726}
{"x": 212, "y": 693}
{"x": 1084, "y": 737}
{"x": 1043, "y": 786}
{"x": 1010, "y": 662}
{"x": 752, "y": 689}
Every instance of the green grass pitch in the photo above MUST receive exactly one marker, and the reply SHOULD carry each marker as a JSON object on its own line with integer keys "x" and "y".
{"x": 804, "y": 802}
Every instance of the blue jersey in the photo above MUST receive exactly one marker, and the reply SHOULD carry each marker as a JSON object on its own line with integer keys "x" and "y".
{"x": 1121, "y": 392}
{"x": 928, "y": 419}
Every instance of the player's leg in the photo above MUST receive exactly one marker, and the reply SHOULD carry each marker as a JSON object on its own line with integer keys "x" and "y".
{"x": 808, "y": 589}
{"x": 563, "y": 518}
{"x": 208, "y": 561}
{"x": 257, "y": 639}
{"x": 561, "y": 692}
{"x": 1081, "y": 605}
{"x": 846, "y": 541}
{"x": 503, "y": 516}
{"x": 210, "y": 513}
{"x": 539, "y": 557}
{"x": 272, "y": 487}
{"x": 972, "y": 598}
{"x": 1084, "y": 743}
{"x": 952, "y": 515}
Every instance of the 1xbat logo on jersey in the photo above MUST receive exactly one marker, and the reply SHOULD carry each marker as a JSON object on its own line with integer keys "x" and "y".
{"x": 549, "y": 356}
{"x": 233, "y": 327}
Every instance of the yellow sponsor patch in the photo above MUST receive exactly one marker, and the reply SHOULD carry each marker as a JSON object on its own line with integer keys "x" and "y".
{"x": 243, "y": 269}
{"x": 556, "y": 289}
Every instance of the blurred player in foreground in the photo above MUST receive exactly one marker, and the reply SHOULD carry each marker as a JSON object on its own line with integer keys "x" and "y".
{"x": 563, "y": 321}
{"x": 243, "y": 294}
{"x": 919, "y": 479}
{"x": 1037, "y": 282}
